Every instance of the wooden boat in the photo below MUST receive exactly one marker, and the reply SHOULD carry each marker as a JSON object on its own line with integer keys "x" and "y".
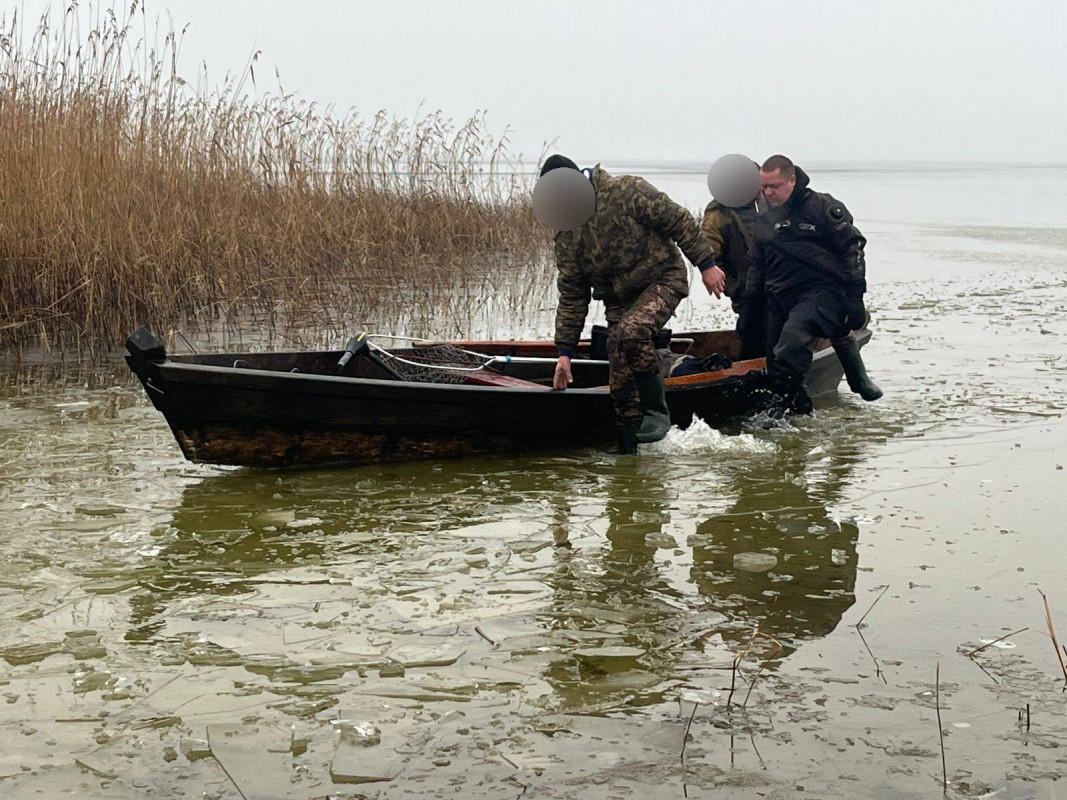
{"x": 286, "y": 409}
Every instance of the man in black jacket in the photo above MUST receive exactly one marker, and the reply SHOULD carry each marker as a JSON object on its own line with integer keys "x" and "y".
{"x": 807, "y": 262}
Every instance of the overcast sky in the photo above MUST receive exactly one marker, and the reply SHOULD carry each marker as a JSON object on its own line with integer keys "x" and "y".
{"x": 819, "y": 81}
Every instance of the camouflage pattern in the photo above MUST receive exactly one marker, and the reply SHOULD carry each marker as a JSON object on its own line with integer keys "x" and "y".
{"x": 729, "y": 237}
{"x": 630, "y": 349}
{"x": 630, "y": 244}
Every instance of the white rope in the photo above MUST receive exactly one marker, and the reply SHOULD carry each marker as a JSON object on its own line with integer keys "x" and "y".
{"x": 397, "y": 338}
{"x": 425, "y": 365}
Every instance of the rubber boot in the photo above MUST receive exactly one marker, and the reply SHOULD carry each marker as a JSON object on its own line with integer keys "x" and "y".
{"x": 657, "y": 419}
{"x": 628, "y": 440}
{"x": 848, "y": 353}
{"x": 786, "y": 395}
{"x": 800, "y": 402}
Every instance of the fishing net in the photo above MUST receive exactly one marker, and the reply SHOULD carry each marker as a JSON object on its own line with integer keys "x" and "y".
{"x": 439, "y": 363}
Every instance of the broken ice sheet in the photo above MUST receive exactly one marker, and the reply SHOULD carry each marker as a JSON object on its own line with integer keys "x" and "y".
{"x": 754, "y": 562}
{"x": 272, "y": 518}
{"x": 66, "y": 781}
{"x": 258, "y": 761}
{"x": 590, "y": 744}
{"x": 423, "y": 691}
{"x": 494, "y": 676}
{"x": 18, "y": 655}
{"x": 533, "y": 642}
{"x": 662, "y": 541}
{"x": 195, "y": 749}
{"x": 84, "y": 644}
{"x": 412, "y": 656}
{"x": 366, "y": 742}
{"x": 1004, "y": 644}
{"x": 611, "y": 654}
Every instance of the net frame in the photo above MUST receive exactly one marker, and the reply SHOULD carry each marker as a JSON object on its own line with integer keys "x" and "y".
{"x": 432, "y": 363}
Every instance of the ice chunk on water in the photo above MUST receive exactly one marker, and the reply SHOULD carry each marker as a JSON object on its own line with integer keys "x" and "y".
{"x": 754, "y": 562}
{"x": 610, "y": 653}
{"x": 359, "y": 732}
{"x": 660, "y": 540}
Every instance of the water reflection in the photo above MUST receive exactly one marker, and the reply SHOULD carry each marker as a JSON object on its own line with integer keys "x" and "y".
{"x": 230, "y": 529}
{"x": 596, "y": 540}
{"x": 777, "y": 558}
{"x": 615, "y": 604}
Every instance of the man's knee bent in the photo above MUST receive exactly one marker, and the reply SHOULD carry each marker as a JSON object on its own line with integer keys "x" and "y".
{"x": 631, "y": 342}
{"x": 792, "y": 353}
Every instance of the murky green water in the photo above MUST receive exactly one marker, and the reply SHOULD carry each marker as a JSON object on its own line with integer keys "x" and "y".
{"x": 553, "y": 624}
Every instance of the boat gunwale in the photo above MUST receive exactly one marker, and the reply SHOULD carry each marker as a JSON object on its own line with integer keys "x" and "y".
{"x": 186, "y": 372}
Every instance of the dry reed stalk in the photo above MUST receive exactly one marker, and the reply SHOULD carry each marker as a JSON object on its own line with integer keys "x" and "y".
{"x": 877, "y": 667}
{"x": 940, "y": 730}
{"x": 988, "y": 674}
{"x": 990, "y": 644}
{"x": 778, "y": 649}
{"x": 685, "y": 736}
{"x": 1052, "y": 633}
{"x": 130, "y": 195}
{"x": 869, "y": 610}
{"x": 733, "y": 679}
{"x": 751, "y": 685}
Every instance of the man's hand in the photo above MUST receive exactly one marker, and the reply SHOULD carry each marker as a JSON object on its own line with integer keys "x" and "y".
{"x": 563, "y": 376}
{"x": 714, "y": 280}
{"x": 857, "y": 314}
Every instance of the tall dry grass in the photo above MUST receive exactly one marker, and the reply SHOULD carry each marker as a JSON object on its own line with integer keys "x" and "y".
{"x": 129, "y": 195}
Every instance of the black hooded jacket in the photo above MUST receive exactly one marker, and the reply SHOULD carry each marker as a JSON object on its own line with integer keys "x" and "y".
{"x": 807, "y": 243}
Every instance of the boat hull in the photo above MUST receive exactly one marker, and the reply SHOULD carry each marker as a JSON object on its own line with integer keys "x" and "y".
{"x": 271, "y": 417}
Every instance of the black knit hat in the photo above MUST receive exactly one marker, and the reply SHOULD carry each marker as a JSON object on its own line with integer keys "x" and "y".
{"x": 555, "y": 162}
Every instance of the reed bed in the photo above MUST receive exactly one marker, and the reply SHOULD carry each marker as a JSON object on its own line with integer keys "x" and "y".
{"x": 129, "y": 195}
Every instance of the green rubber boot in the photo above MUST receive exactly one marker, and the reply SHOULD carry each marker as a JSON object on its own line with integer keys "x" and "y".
{"x": 628, "y": 440}
{"x": 848, "y": 353}
{"x": 657, "y": 419}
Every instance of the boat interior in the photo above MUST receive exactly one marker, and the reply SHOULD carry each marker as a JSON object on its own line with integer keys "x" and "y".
{"x": 513, "y": 364}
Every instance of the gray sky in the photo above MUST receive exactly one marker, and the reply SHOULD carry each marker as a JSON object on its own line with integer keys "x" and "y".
{"x": 819, "y": 81}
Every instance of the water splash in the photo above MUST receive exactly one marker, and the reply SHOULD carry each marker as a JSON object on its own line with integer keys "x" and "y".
{"x": 700, "y": 438}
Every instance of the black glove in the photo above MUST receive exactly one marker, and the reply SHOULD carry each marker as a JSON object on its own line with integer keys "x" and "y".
{"x": 857, "y": 314}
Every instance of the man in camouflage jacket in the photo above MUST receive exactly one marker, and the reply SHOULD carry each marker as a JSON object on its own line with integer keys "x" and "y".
{"x": 728, "y": 228}
{"x": 627, "y": 255}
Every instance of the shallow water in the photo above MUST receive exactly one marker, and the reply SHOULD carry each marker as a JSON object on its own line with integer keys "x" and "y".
{"x": 561, "y": 619}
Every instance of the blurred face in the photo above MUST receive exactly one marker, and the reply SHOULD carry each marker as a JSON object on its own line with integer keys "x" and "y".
{"x": 776, "y": 188}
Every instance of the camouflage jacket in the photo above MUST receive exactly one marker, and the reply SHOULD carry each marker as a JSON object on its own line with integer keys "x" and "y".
{"x": 726, "y": 230}
{"x": 627, "y": 246}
